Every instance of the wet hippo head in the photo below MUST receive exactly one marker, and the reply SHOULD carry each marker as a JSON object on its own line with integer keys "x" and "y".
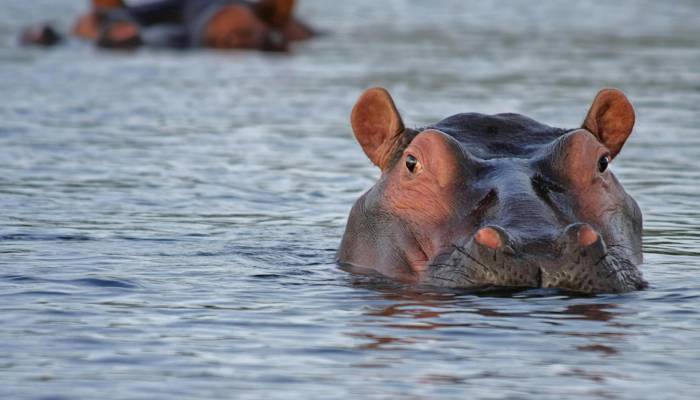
{"x": 496, "y": 200}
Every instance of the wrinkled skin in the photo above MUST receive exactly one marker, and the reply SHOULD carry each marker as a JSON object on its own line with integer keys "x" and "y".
{"x": 496, "y": 200}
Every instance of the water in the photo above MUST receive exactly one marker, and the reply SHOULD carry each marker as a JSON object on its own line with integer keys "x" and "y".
{"x": 169, "y": 219}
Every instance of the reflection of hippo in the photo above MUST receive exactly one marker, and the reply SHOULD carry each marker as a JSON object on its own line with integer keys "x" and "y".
{"x": 496, "y": 200}
{"x": 263, "y": 25}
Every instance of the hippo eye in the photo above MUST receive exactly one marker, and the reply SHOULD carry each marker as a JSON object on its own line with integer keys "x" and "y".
{"x": 603, "y": 163}
{"x": 411, "y": 163}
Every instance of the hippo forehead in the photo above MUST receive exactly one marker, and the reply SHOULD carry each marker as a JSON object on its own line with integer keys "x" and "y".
{"x": 500, "y": 135}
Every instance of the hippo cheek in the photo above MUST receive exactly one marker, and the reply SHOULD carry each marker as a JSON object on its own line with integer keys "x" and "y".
{"x": 596, "y": 194}
{"x": 428, "y": 203}
{"x": 606, "y": 208}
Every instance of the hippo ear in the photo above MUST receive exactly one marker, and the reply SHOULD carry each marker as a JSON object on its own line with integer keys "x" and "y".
{"x": 376, "y": 124}
{"x": 611, "y": 119}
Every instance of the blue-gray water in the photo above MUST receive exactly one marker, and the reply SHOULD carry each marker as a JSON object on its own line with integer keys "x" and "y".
{"x": 168, "y": 220}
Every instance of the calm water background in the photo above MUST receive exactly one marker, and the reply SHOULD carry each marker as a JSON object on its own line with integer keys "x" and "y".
{"x": 168, "y": 220}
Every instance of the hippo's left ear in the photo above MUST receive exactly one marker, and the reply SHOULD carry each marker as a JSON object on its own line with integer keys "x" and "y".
{"x": 377, "y": 125}
{"x": 611, "y": 119}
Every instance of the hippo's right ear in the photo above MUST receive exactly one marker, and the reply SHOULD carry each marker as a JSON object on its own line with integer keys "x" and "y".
{"x": 610, "y": 119}
{"x": 376, "y": 124}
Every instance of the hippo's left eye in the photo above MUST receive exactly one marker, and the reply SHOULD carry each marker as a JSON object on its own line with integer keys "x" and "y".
{"x": 411, "y": 163}
{"x": 603, "y": 163}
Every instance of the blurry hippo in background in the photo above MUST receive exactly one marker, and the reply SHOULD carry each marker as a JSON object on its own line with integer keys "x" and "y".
{"x": 478, "y": 201}
{"x": 267, "y": 25}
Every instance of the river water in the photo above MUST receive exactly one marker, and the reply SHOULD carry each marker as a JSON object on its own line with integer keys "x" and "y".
{"x": 168, "y": 220}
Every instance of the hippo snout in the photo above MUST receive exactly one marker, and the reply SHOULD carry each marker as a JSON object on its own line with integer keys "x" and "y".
{"x": 577, "y": 260}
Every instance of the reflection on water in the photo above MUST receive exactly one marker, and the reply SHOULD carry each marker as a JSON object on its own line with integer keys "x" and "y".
{"x": 169, "y": 219}
{"x": 482, "y": 330}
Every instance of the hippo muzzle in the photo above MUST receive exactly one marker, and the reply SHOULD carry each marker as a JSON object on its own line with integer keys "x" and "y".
{"x": 577, "y": 260}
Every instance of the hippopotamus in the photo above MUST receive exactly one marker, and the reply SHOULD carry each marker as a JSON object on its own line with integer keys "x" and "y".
{"x": 221, "y": 24}
{"x": 482, "y": 201}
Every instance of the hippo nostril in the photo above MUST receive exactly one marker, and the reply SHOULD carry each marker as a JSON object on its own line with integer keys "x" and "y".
{"x": 489, "y": 237}
{"x": 587, "y": 236}
{"x": 581, "y": 237}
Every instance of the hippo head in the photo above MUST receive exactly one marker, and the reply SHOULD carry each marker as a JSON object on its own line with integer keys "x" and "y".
{"x": 478, "y": 201}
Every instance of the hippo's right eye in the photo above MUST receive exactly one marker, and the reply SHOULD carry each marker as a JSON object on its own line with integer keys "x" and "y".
{"x": 411, "y": 163}
{"x": 603, "y": 163}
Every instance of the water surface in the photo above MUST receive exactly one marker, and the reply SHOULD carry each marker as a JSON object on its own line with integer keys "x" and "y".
{"x": 169, "y": 220}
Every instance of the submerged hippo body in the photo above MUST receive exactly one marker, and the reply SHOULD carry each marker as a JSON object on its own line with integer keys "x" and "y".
{"x": 268, "y": 25}
{"x": 496, "y": 200}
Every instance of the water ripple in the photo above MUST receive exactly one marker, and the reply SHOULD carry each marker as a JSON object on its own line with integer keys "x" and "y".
{"x": 169, "y": 219}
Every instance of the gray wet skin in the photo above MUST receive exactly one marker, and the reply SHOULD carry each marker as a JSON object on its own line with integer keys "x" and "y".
{"x": 479, "y": 200}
